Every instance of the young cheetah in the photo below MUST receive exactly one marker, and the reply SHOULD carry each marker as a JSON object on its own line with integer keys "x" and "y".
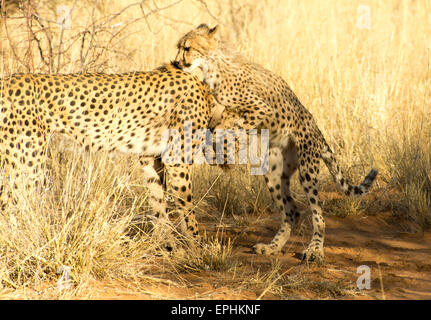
{"x": 263, "y": 100}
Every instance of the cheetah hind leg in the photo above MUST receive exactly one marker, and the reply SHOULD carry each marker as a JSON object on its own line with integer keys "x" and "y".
{"x": 179, "y": 180}
{"x": 308, "y": 179}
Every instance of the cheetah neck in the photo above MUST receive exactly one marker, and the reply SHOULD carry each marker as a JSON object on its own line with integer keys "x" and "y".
{"x": 220, "y": 63}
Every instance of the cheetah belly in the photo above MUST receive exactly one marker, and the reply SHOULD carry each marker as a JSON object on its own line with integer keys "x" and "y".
{"x": 141, "y": 141}
{"x": 146, "y": 143}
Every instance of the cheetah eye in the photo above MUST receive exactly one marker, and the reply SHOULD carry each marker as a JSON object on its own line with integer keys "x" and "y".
{"x": 187, "y": 49}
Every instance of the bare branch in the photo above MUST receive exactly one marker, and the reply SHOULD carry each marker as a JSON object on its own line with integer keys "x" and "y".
{"x": 208, "y": 10}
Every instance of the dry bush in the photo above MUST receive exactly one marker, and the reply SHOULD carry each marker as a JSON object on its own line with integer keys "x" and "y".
{"x": 215, "y": 255}
{"x": 410, "y": 163}
{"x": 80, "y": 221}
{"x": 232, "y": 191}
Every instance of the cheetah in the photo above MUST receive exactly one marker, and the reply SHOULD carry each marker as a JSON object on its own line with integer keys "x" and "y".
{"x": 263, "y": 100}
{"x": 126, "y": 113}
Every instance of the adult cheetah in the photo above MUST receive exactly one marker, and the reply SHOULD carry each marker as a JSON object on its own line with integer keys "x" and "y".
{"x": 262, "y": 99}
{"x": 127, "y": 112}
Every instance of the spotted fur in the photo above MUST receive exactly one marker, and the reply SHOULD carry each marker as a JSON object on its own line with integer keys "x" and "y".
{"x": 115, "y": 112}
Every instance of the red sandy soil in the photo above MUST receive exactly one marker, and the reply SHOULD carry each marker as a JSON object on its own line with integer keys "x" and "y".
{"x": 399, "y": 262}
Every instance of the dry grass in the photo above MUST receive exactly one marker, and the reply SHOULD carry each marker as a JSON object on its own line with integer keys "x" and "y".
{"x": 83, "y": 222}
{"x": 369, "y": 90}
{"x": 232, "y": 191}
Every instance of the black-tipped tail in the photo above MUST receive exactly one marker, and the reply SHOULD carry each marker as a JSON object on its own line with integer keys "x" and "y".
{"x": 369, "y": 179}
{"x": 345, "y": 186}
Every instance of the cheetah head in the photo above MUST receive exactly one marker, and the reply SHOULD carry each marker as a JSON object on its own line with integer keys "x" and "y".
{"x": 195, "y": 47}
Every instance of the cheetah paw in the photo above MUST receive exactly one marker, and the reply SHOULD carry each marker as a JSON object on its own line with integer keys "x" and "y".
{"x": 266, "y": 249}
{"x": 313, "y": 254}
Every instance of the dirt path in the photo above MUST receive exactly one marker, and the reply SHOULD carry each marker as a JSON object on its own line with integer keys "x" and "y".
{"x": 399, "y": 262}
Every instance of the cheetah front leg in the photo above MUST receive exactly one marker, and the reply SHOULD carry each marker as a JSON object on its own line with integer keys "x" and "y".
{"x": 282, "y": 165}
{"x": 234, "y": 124}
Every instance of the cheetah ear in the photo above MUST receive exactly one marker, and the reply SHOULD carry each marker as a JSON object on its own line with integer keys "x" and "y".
{"x": 203, "y": 26}
{"x": 213, "y": 31}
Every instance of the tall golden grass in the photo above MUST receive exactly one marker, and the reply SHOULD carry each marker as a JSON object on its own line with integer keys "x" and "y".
{"x": 366, "y": 81}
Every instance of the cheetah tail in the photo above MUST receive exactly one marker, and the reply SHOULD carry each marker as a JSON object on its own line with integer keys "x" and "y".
{"x": 345, "y": 186}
